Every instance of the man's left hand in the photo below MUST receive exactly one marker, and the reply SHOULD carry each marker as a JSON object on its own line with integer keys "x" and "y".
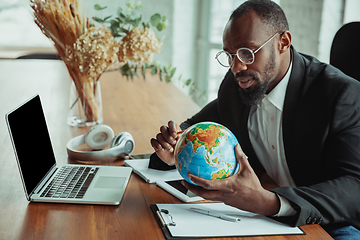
{"x": 243, "y": 190}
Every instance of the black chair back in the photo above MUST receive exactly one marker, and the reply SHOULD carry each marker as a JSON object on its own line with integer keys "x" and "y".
{"x": 47, "y": 56}
{"x": 345, "y": 50}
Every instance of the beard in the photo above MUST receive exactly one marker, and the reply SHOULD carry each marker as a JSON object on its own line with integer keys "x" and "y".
{"x": 256, "y": 95}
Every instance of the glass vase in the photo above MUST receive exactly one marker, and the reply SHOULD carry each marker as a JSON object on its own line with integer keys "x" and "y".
{"x": 85, "y": 105}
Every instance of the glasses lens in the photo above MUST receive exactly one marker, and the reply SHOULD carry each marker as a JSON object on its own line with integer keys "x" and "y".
{"x": 246, "y": 55}
{"x": 223, "y": 58}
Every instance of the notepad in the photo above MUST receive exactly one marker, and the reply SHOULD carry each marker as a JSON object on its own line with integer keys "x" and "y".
{"x": 140, "y": 167}
{"x": 190, "y": 224}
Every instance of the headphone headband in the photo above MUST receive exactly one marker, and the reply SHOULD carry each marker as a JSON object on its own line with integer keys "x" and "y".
{"x": 98, "y": 137}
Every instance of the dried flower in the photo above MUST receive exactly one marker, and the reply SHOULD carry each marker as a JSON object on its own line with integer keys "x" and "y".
{"x": 89, "y": 51}
{"x": 58, "y": 20}
{"x": 138, "y": 46}
{"x": 93, "y": 52}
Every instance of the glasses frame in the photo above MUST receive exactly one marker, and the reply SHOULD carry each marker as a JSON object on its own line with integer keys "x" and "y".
{"x": 231, "y": 55}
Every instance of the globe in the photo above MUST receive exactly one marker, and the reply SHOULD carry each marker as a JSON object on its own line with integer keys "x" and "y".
{"x": 206, "y": 150}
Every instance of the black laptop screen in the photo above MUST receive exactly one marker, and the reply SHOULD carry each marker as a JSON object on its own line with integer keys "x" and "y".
{"x": 31, "y": 141}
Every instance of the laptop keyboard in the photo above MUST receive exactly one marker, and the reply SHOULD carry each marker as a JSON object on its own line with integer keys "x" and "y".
{"x": 70, "y": 182}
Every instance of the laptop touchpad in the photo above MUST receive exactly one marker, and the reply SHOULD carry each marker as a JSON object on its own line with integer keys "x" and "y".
{"x": 110, "y": 182}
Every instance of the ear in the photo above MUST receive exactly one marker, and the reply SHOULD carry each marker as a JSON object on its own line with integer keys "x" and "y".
{"x": 285, "y": 42}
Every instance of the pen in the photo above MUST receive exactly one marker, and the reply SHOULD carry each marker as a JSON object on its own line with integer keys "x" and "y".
{"x": 178, "y": 134}
{"x": 217, "y": 215}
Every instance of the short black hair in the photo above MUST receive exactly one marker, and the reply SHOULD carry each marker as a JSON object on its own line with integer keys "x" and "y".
{"x": 269, "y": 12}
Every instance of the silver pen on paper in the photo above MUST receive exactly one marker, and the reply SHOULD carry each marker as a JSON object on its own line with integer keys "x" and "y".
{"x": 216, "y": 214}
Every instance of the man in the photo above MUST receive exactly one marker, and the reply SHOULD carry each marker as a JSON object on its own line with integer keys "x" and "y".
{"x": 295, "y": 118}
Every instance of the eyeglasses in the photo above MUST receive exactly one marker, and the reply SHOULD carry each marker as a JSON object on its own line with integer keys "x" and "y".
{"x": 245, "y": 55}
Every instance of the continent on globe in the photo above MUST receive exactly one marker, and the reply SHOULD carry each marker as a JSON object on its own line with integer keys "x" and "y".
{"x": 206, "y": 150}
{"x": 208, "y": 137}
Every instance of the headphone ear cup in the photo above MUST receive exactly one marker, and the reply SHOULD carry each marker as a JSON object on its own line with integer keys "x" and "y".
{"x": 124, "y": 140}
{"x": 116, "y": 140}
{"x": 99, "y": 136}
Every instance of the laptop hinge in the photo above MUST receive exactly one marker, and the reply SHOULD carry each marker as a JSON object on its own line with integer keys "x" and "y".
{"x": 43, "y": 182}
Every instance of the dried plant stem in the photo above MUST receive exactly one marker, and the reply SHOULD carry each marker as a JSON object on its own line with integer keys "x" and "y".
{"x": 88, "y": 51}
{"x": 86, "y": 90}
{"x": 60, "y": 22}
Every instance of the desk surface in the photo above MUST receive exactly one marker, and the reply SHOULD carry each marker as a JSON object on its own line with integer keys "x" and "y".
{"x": 139, "y": 107}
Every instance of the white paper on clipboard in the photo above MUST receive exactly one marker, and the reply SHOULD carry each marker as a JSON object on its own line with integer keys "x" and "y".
{"x": 190, "y": 224}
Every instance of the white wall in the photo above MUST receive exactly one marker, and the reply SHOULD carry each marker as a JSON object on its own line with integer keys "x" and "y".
{"x": 304, "y": 19}
{"x": 330, "y": 23}
{"x": 352, "y": 11}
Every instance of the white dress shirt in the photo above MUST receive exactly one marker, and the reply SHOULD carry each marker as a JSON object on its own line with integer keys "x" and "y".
{"x": 265, "y": 132}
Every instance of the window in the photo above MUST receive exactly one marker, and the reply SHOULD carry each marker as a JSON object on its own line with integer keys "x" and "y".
{"x": 220, "y": 12}
{"x": 335, "y": 13}
{"x": 17, "y": 26}
{"x": 215, "y": 15}
{"x": 197, "y": 27}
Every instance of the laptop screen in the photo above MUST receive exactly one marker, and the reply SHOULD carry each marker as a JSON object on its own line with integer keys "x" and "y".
{"x": 31, "y": 141}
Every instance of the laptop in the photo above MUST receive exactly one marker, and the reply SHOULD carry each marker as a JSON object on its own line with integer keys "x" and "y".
{"x": 46, "y": 181}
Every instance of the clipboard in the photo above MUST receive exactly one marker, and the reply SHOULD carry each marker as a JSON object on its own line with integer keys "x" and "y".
{"x": 191, "y": 225}
{"x": 162, "y": 224}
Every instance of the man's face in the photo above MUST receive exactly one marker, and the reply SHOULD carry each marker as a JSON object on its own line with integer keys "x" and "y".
{"x": 256, "y": 79}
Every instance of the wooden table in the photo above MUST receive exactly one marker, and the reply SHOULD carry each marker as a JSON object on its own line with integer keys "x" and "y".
{"x": 139, "y": 107}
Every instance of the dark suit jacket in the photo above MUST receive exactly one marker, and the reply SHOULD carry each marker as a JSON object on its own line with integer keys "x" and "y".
{"x": 321, "y": 134}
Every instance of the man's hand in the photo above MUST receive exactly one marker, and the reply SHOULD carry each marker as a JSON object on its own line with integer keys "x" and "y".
{"x": 242, "y": 190}
{"x": 165, "y": 142}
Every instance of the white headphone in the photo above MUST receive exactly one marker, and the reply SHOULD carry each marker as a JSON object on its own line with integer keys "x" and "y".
{"x": 98, "y": 137}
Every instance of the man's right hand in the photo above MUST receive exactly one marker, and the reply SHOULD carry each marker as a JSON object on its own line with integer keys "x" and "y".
{"x": 165, "y": 142}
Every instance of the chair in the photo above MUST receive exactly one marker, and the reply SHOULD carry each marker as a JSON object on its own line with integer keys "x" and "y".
{"x": 47, "y": 56}
{"x": 345, "y": 50}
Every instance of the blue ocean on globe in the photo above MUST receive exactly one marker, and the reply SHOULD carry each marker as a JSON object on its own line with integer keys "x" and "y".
{"x": 206, "y": 150}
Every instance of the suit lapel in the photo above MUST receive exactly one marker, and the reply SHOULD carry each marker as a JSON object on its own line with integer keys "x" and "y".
{"x": 291, "y": 104}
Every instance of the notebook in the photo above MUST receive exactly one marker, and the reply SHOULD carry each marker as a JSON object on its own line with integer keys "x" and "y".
{"x": 46, "y": 181}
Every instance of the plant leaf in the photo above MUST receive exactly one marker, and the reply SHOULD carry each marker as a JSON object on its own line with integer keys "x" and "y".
{"x": 153, "y": 70}
{"x": 119, "y": 11}
{"x": 143, "y": 70}
{"x": 138, "y": 20}
{"x": 106, "y": 18}
{"x": 168, "y": 78}
{"x": 114, "y": 23}
{"x": 122, "y": 17}
{"x": 98, "y": 7}
{"x": 155, "y": 19}
{"x": 160, "y": 26}
{"x": 172, "y": 72}
{"x": 99, "y": 20}
{"x": 130, "y": 5}
{"x": 165, "y": 70}
{"x": 160, "y": 74}
{"x": 124, "y": 30}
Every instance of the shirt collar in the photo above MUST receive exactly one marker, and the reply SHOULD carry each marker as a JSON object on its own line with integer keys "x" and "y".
{"x": 277, "y": 95}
